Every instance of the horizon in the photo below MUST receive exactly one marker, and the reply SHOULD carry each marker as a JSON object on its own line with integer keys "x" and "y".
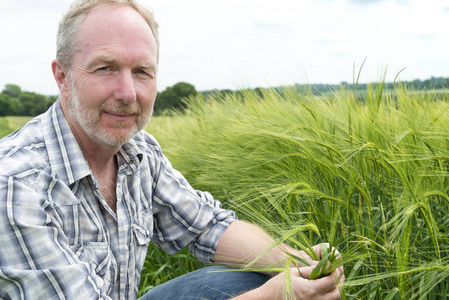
{"x": 276, "y": 87}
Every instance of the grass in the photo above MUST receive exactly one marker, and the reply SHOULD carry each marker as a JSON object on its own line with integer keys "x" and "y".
{"x": 18, "y": 121}
{"x": 5, "y": 128}
{"x": 370, "y": 177}
{"x": 11, "y": 123}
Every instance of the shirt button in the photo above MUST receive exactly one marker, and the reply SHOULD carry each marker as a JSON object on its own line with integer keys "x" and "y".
{"x": 131, "y": 162}
{"x": 126, "y": 248}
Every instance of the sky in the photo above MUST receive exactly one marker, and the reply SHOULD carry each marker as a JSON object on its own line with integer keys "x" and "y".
{"x": 232, "y": 44}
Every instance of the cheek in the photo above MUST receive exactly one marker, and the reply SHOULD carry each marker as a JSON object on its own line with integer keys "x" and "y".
{"x": 95, "y": 96}
{"x": 148, "y": 96}
{"x": 97, "y": 87}
{"x": 147, "y": 104}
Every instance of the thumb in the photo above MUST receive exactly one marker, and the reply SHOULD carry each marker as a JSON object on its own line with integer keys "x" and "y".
{"x": 303, "y": 272}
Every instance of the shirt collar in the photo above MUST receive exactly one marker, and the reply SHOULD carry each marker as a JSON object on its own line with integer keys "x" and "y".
{"x": 65, "y": 155}
{"x": 130, "y": 155}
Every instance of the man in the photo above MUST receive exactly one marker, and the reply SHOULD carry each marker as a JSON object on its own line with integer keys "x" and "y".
{"x": 83, "y": 189}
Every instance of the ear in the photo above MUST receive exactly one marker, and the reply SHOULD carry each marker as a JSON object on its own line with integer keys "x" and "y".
{"x": 62, "y": 79}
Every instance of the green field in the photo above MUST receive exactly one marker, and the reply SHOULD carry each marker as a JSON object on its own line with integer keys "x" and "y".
{"x": 9, "y": 124}
{"x": 368, "y": 175}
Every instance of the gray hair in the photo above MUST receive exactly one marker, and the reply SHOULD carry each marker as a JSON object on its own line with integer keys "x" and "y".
{"x": 71, "y": 23}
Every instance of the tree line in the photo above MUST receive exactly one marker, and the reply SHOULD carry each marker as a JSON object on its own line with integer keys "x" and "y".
{"x": 15, "y": 102}
{"x": 434, "y": 83}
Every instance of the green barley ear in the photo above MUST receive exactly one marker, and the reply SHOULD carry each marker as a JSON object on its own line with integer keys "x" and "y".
{"x": 288, "y": 279}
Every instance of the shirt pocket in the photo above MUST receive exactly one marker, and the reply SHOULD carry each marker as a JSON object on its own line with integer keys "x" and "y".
{"x": 143, "y": 227}
{"x": 142, "y": 230}
{"x": 99, "y": 256}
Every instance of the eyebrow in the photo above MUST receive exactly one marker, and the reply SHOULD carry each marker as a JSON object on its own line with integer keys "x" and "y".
{"x": 112, "y": 61}
{"x": 148, "y": 66}
{"x": 101, "y": 60}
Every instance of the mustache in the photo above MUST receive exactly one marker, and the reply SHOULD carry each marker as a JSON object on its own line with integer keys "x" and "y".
{"x": 120, "y": 108}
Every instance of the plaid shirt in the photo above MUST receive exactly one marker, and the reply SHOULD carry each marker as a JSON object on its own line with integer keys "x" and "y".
{"x": 58, "y": 237}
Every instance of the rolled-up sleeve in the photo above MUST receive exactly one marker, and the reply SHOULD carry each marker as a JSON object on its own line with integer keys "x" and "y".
{"x": 184, "y": 216}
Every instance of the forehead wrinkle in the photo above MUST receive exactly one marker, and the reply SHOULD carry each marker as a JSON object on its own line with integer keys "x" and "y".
{"x": 115, "y": 35}
{"x": 113, "y": 58}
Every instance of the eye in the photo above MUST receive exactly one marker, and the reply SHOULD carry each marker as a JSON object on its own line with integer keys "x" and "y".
{"x": 145, "y": 73}
{"x": 141, "y": 72}
{"x": 105, "y": 68}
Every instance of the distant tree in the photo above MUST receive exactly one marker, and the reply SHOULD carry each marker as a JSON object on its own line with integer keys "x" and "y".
{"x": 10, "y": 106}
{"x": 6, "y": 105}
{"x": 33, "y": 104}
{"x": 172, "y": 97}
{"x": 12, "y": 90}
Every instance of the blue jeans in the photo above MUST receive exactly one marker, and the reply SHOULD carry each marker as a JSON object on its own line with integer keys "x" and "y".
{"x": 211, "y": 283}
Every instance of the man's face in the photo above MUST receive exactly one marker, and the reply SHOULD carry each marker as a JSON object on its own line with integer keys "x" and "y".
{"x": 113, "y": 77}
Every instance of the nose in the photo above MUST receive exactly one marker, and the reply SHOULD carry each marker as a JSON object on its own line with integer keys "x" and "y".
{"x": 125, "y": 90}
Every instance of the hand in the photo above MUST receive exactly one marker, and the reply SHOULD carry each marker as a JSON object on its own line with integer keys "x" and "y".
{"x": 322, "y": 288}
{"x": 303, "y": 259}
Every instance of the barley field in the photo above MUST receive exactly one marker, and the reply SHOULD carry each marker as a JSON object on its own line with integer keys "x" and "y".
{"x": 368, "y": 175}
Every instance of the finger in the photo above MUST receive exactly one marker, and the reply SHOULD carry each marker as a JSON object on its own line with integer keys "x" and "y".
{"x": 326, "y": 284}
{"x": 303, "y": 272}
{"x": 317, "y": 249}
{"x": 333, "y": 294}
{"x": 303, "y": 259}
{"x": 340, "y": 275}
{"x": 336, "y": 292}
